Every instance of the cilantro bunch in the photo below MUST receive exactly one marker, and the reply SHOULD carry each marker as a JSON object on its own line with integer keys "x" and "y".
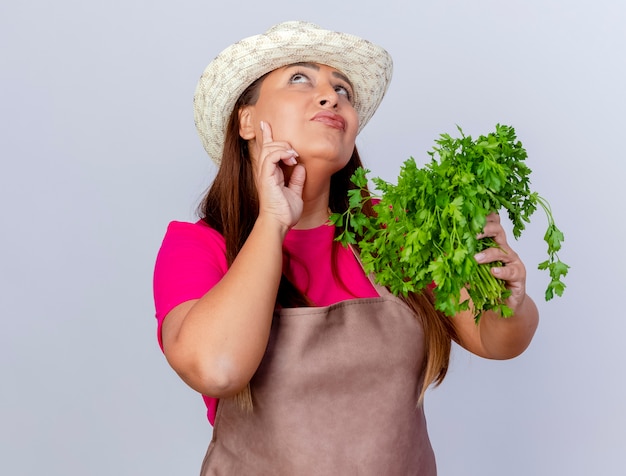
{"x": 425, "y": 227}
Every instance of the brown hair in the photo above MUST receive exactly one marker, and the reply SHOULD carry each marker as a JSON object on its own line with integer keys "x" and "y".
{"x": 231, "y": 207}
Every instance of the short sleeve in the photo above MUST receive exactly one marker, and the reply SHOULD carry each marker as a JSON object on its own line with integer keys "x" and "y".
{"x": 190, "y": 261}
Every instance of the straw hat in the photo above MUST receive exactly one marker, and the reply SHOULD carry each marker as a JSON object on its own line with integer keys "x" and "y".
{"x": 369, "y": 68}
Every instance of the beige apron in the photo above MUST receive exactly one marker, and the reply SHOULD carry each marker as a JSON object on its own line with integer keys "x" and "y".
{"x": 336, "y": 394}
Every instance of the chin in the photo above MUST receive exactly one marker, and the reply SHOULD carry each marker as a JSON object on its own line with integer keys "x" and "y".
{"x": 328, "y": 164}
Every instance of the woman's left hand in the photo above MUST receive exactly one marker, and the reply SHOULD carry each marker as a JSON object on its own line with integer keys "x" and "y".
{"x": 512, "y": 270}
{"x": 495, "y": 337}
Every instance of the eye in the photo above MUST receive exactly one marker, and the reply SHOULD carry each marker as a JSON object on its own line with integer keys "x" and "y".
{"x": 344, "y": 91}
{"x": 299, "y": 78}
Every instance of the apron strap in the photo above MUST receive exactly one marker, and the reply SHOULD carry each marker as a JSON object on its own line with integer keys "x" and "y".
{"x": 380, "y": 289}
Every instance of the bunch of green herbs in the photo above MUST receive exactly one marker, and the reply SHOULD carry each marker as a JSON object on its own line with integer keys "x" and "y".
{"x": 425, "y": 228}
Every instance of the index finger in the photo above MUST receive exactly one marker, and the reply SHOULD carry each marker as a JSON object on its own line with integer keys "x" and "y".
{"x": 266, "y": 132}
{"x": 493, "y": 217}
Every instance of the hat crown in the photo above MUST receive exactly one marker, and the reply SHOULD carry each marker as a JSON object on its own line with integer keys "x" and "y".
{"x": 292, "y": 25}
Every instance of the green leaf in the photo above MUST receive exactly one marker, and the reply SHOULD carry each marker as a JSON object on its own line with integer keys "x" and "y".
{"x": 336, "y": 219}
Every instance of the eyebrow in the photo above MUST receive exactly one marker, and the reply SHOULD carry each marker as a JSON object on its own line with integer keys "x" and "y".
{"x": 316, "y": 67}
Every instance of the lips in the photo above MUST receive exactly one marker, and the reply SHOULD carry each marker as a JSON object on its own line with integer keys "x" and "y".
{"x": 330, "y": 119}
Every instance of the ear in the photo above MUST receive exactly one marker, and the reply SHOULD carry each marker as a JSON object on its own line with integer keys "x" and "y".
{"x": 246, "y": 123}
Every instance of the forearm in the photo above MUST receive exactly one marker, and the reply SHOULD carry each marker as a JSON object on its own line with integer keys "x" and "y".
{"x": 221, "y": 338}
{"x": 505, "y": 338}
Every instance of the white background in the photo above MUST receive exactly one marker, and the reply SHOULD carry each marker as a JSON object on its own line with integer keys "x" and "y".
{"x": 98, "y": 153}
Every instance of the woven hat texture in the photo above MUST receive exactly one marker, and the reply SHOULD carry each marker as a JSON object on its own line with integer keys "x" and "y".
{"x": 368, "y": 66}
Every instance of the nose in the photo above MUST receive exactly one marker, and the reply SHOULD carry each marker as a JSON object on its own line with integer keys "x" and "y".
{"x": 328, "y": 97}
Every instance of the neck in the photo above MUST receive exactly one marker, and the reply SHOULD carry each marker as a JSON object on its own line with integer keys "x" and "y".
{"x": 315, "y": 210}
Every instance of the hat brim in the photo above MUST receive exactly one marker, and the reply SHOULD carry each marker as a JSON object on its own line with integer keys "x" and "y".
{"x": 369, "y": 68}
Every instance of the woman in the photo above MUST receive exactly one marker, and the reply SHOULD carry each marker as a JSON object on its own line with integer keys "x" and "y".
{"x": 317, "y": 370}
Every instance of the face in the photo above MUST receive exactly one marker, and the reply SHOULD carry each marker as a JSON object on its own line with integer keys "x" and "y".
{"x": 310, "y": 107}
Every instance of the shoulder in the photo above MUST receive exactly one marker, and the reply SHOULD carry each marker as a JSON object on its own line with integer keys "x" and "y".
{"x": 198, "y": 236}
{"x": 188, "y": 244}
{"x": 188, "y": 231}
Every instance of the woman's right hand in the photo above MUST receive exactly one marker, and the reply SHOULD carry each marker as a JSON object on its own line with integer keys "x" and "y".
{"x": 277, "y": 199}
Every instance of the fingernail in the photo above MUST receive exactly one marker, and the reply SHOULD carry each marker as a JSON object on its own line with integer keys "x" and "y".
{"x": 495, "y": 270}
{"x": 479, "y": 256}
{"x": 293, "y": 152}
{"x": 262, "y": 125}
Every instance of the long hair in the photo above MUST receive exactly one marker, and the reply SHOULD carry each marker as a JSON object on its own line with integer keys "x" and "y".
{"x": 231, "y": 207}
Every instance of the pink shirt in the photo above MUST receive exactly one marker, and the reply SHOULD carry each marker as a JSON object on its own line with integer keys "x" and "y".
{"x": 192, "y": 259}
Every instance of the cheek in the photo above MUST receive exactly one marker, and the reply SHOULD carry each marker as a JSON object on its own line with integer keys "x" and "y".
{"x": 281, "y": 123}
{"x": 353, "y": 120}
